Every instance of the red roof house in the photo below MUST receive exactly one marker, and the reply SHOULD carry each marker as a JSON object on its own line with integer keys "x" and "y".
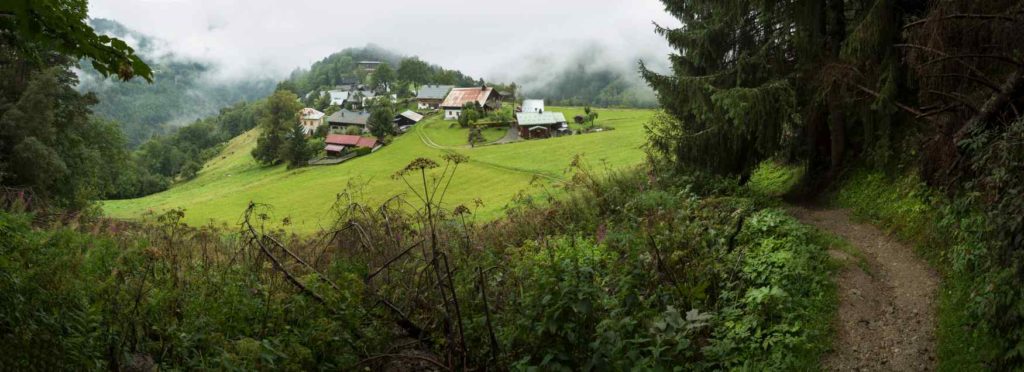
{"x": 336, "y": 143}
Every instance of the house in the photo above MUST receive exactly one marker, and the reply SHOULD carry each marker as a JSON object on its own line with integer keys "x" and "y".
{"x": 364, "y": 98}
{"x": 408, "y": 117}
{"x": 541, "y": 125}
{"x": 338, "y": 97}
{"x": 345, "y": 118}
{"x": 337, "y": 144}
{"x": 369, "y": 66}
{"x": 311, "y": 120}
{"x": 533, "y": 105}
{"x": 431, "y": 96}
{"x": 485, "y": 96}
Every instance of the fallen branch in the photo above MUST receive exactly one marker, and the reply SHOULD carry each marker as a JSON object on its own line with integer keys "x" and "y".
{"x": 392, "y": 260}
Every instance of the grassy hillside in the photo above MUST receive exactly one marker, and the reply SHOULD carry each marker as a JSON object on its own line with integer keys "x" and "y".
{"x": 495, "y": 174}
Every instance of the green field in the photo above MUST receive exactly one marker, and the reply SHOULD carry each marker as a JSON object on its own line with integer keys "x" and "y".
{"x": 226, "y": 185}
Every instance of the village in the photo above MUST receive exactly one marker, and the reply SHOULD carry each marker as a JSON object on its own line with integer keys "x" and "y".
{"x": 348, "y": 130}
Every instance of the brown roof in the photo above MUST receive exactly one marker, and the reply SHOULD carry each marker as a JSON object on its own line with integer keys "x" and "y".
{"x": 461, "y": 96}
{"x": 349, "y": 140}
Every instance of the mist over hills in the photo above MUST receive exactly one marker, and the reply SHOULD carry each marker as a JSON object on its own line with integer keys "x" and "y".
{"x": 183, "y": 90}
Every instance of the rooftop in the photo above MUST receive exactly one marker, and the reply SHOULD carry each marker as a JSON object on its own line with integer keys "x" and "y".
{"x": 411, "y": 115}
{"x": 349, "y": 140}
{"x": 346, "y": 117}
{"x": 533, "y": 105}
{"x": 311, "y": 114}
{"x": 461, "y": 96}
{"x": 434, "y": 91}
{"x": 547, "y": 118}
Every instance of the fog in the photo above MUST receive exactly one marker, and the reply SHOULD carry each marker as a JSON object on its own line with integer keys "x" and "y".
{"x": 499, "y": 41}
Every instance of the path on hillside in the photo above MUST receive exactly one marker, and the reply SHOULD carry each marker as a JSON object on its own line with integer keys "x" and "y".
{"x": 886, "y": 319}
{"x": 427, "y": 141}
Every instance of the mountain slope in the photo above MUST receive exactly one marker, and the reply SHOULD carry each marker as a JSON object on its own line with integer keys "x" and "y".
{"x": 183, "y": 91}
{"x": 494, "y": 175}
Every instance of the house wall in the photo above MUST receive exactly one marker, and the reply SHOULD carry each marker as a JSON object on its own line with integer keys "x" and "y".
{"x": 452, "y": 114}
{"x": 310, "y": 126}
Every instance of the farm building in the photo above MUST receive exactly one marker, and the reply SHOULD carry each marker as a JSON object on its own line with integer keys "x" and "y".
{"x": 533, "y": 105}
{"x": 408, "y": 117}
{"x": 534, "y": 125}
{"x": 345, "y": 118}
{"x": 431, "y": 96}
{"x": 337, "y": 144}
{"x": 486, "y": 97}
{"x": 310, "y": 119}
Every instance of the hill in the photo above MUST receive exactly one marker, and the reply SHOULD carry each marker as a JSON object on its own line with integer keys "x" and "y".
{"x": 494, "y": 175}
{"x": 183, "y": 89}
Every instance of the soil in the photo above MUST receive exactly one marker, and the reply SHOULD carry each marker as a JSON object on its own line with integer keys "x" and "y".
{"x": 886, "y": 318}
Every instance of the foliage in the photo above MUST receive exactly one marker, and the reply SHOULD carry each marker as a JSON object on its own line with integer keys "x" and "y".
{"x": 476, "y": 135}
{"x": 382, "y": 118}
{"x": 340, "y": 68}
{"x": 55, "y": 150}
{"x": 36, "y": 27}
{"x": 164, "y": 295}
{"x": 383, "y": 78}
{"x": 277, "y": 118}
{"x": 296, "y": 151}
{"x": 470, "y": 114}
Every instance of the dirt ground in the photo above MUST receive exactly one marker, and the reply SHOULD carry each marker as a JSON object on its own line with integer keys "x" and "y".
{"x": 887, "y": 295}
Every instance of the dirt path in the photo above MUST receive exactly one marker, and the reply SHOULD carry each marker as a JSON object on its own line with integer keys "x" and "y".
{"x": 887, "y": 294}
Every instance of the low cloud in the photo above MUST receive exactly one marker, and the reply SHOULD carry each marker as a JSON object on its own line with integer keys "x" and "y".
{"x": 500, "y": 40}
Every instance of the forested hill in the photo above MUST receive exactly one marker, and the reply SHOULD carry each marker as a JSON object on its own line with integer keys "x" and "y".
{"x": 342, "y": 68}
{"x": 183, "y": 90}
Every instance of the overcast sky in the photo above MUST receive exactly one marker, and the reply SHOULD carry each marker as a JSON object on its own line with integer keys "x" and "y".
{"x": 481, "y": 38}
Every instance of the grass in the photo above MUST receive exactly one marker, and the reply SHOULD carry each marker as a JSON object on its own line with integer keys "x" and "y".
{"x": 494, "y": 175}
{"x": 447, "y": 133}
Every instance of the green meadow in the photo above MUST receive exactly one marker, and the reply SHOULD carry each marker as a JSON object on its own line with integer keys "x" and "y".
{"x": 305, "y": 196}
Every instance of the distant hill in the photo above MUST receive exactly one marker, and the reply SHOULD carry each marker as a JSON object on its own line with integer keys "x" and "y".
{"x": 342, "y": 67}
{"x": 184, "y": 90}
{"x": 589, "y": 76}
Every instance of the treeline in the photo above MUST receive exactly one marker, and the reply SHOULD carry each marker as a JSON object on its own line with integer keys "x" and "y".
{"x": 406, "y": 73}
{"x": 929, "y": 89}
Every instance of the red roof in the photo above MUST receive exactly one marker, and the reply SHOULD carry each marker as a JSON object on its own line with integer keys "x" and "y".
{"x": 349, "y": 140}
{"x": 461, "y": 96}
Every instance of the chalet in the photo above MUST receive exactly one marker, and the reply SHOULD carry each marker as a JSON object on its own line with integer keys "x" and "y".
{"x": 408, "y": 117}
{"x": 485, "y": 96}
{"x": 541, "y": 125}
{"x": 533, "y": 105}
{"x": 338, "y": 97}
{"x": 338, "y": 144}
{"x": 345, "y": 118}
{"x": 369, "y": 66}
{"x": 431, "y": 96}
{"x": 311, "y": 120}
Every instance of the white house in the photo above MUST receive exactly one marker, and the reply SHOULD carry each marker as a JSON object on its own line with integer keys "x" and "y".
{"x": 431, "y": 96}
{"x": 486, "y": 97}
{"x": 310, "y": 119}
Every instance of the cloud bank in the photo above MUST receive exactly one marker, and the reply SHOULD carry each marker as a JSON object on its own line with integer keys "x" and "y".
{"x": 495, "y": 40}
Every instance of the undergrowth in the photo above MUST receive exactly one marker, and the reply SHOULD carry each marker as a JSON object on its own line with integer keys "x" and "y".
{"x": 633, "y": 270}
